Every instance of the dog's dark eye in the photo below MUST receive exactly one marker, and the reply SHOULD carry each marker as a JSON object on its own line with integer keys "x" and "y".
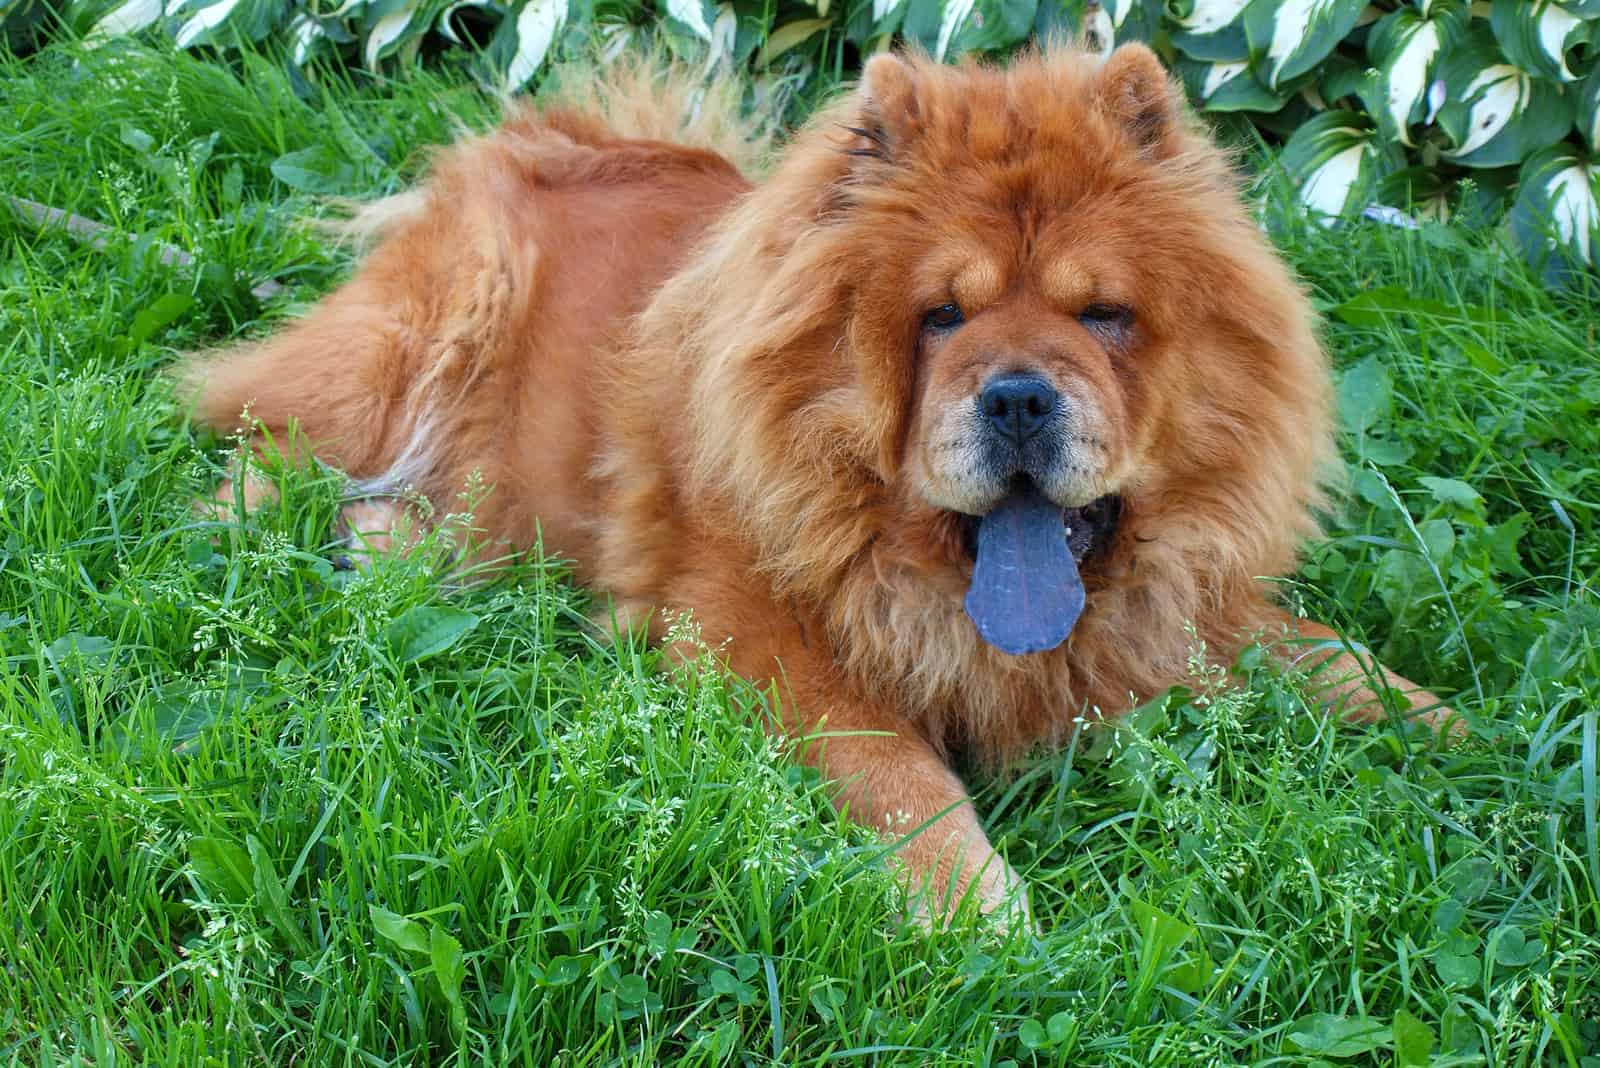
{"x": 944, "y": 317}
{"x": 1116, "y": 316}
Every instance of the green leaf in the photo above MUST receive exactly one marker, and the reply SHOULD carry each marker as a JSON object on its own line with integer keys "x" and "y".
{"x": 1413, "y": 1041}
{"x": 426, "y": 630}
{"x": 1497, "y": 114}
{"x": 788, "y": 36}
{"x": 449, "y": 969}
{"x": 1366, "y": 393}
{"x": 632, "y": 989}
{"x": 1326, "y": 1035}
{"x": 562, "y": 971}
{"x": 157, "y": 314}
{"x": 86, "y": 650}
{"x": 273, "y": 896}
{"x": 407, "y": 934}
{"x": 1537, "y": 35}
{"x": 1336, "y": 161}
{"x": 1032, "y": 1034}
{"x": 1469, "y": 879}
{"x": 1061, "y": 1027}
{"x": 322, "y": 168}
{"x": 1293, "y": 36}
{"x": 1452, "y": 491}
{"x": 1458, "y": 969}
{"x": 223, "y": 868}
{"x": 1511, "y": 947}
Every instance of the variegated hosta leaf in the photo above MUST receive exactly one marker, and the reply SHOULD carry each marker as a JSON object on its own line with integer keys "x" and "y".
{"x": 1422, "y": 191}
{"x": 445, "y": 23}
{"x": 1589, "y": 109}
{"x": 1225, "y": 86}
{"x": 992, "y": 25}
{"x": 692, "y": 16}
{"x": 1556, "y": 218}
{"x": 394, "y": 27}
{"x": 1537, "y": 35}
{"x": 199, "y": 22}
{"x": 953, "y": 15}
{"x": 1335, "y": 161}
{"x": 1134, "y": 20}
{"x": 1496, "y": 114}
{"x": 1291, "y": 37}
{"x": 724, "y": 38}
{"x": 1405, "y": 47}
{"x": 130, "y": 16}
{"x": 523, "y": 40}
{"x": 1096, "y": 30}
{"x": 1211, "y": 30}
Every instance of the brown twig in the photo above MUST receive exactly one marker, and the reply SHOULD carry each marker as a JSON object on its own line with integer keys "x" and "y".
{"x": 97, "y": 236}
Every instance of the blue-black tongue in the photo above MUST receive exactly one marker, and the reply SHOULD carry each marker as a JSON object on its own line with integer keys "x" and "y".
{"x": 1026, "y": 593}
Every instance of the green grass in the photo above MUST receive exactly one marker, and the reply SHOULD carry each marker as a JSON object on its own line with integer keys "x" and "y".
{"x": 253, "y": 810}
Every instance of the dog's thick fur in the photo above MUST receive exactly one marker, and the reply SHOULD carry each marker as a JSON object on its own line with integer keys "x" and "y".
{"x": 724, "y": 399}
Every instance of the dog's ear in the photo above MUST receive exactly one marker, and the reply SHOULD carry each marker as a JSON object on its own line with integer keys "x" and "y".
{"x": 889, "y": 113}
{"x": 1134, "y": 90}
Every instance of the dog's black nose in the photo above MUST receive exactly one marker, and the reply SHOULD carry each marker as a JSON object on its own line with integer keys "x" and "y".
{"x": 1018, "y": 405}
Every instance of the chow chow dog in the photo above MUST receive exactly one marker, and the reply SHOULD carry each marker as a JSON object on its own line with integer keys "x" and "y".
{"x": 967, "y": 424}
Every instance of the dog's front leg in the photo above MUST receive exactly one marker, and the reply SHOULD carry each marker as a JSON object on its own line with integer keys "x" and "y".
{"x": 887, "y": 773}
{"x": 1343, "y": 682}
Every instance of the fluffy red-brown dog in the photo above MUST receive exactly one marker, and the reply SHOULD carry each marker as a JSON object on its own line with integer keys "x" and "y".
{"x": 991, "y": 348}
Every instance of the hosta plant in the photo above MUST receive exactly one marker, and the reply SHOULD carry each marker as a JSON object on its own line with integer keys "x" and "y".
{"x": 1400, "y": 109}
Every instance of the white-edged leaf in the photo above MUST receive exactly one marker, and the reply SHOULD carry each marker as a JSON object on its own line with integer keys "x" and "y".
{"x": 1097, "y": 31}
{"x": 387, "y": 32}
{"x": 1207, "y": 17}
{"x": 444, "y": 23}
{"x": 696, "y": 15}
{"x": 724, "y": 36}
{"x": 1292, "y": 37}
{"x": 997, "y": 24}
{"x": 1226, "y": 86}
{"x": 882, "y": 9}
{"x": 1335, "y": 161}
{"x": 1589, "y": 109}
{"x": 195, "y": 28}
{"x": 305, "y": 33}
{"x": 951, "y": 19}
{"x": 788, "y": 36}
{"x": 1405, "y": 48}
{"x": 127, "y": 17}
{"x": 1536, "y": 35}
{"x": 1211, "y": 30}
{"x": 1496, "y": 114}
{"x": 535, "y": 26}
{"x": 1556, "y": 217}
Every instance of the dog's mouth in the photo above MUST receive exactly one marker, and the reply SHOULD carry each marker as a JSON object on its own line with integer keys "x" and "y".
{"x": 1026, "y": 593}
{"x": 1089, "y": 528}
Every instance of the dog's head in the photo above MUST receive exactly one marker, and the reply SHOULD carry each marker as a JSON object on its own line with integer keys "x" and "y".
{"x": 978, "y": 286}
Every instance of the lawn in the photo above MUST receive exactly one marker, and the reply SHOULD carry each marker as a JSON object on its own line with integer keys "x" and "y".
{"x": 257, "y": 810}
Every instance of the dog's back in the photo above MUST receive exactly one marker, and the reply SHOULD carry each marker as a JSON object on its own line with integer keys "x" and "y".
{"x": 476, "y": 336}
